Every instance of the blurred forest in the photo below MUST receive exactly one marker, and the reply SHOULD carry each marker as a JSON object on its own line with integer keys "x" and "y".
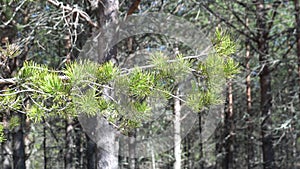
{"x": 258, "y": 128}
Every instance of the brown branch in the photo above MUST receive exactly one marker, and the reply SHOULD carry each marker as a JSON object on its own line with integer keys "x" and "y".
{"x": 133, "y": 7}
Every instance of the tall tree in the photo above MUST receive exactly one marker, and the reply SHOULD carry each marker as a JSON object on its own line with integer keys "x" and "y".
{"x": 297, "y": 21}
{"x": 229, "y": 129}
{"x": 250, "y": 149}
{"x": 18, "y": 144}
{"x": 177, "y": 136}
{"x": 108, "y": 148}
{"x": 69, "y": 163}
{"x": 265, "y": 84}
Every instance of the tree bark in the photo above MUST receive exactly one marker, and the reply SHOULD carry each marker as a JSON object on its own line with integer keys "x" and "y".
{"x": 132, "y": 145}
{"x": 45, "y": 144}
{"x": 201, "y": 165}
{"x": 69, "y": 144}
{"x": 250, "y": 147}
{"x": 6, "y": 145}
{"x": 265, "y": 86}
{"x": 79, "y": 145}
{"x": 108, "y": 148}
{"x": 18, "y": 144}
{"x": 91, "y": 153}
{"x": 177, "y": 137}
{"x": 297, "y": 19}
{"x": 228, "y": 162}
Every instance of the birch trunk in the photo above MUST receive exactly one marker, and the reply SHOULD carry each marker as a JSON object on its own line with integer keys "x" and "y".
{"x": 177, "y": 137}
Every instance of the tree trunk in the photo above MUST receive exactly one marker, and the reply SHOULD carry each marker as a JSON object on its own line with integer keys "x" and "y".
{"x": 177, "y": 137}
{"x": 219, "y": 143}
{"x": 69, "y": 144}
{"x": 79, "y": 145}
{"x": 153, "y": 163}
{"x": 91, "y": 153}
{"x": 228, "y": 162}
{"x": 201, "y": 165}
{"x": 6, "y": 145}
{"x": 45, "y": 143}
{"x": 297, "y": 19}
{"x": 187, "y": 150}
{"x": 131, "y": 145}
{"x": 18, "y": 144}
{"x": 250, "y": 147}
{"x": 265, "y": 86}
{"x": 107, "y": 147}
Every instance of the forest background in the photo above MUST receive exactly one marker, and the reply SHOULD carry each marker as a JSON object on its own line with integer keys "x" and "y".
{"x": 256, "y": 44}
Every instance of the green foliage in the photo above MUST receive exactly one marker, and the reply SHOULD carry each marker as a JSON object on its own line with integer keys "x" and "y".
{"x": 32, "y": 72}
{"x": 214, "y": 66}
{"x": 52, "y": 84}
{"x": 14, "y": 122}
{"x": 181, "y": 65}
{"x": 168, "y": 72}
{"x": 69, "y": 71}
{"x": 136, "y": 86}
{"x": 140, "y": 111}
{"x": 225, "y": 47}
{"x": 159, "y": 60}
{"x": 135, "y": 115}
{"x": 10, "y": 51}
{"x": 87, "y": 103}
{"x": 175, "y": 69}
{"x": 35, "y": 113}
{"x": 106, "y": 73}
{"x": 81, "y": 87}
{"x": 103, "y": 104}
{"x": 223, "y": 44}
{"x": 87, "y": 79}
{"x": 128, "y": 125}
{"x": 81, "y": 72}
{"x": 70, "y": 91}
{"x": 202, "y": 97}
{"x": 140, "y": 83}
{"x": 9, "y": 100}
{"x": 2, "y": 138}
{"x": 213, "y": 73}
{"x": 48, "y": 92}
{"x": 141, "y": 107}
{"x": 207, "y": 89}
{"x": 231, "y": 68}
